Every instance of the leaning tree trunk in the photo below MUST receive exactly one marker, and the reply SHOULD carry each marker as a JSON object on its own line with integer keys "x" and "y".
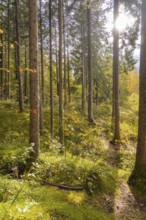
{"x": 21, "y": 106}
{"x": 34, "y": 78}
{"x": 140, "y": 164}
{"x": 116, "y": 114}
{"x": 90, "y": 74}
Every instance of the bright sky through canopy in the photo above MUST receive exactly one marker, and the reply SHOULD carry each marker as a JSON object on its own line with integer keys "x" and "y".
{"x": 124, "y": 21}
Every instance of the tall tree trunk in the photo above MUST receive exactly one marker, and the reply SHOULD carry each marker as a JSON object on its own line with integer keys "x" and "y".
{"x": 41, "y": 71}
{"x": 34, "y": 78}
{"x": 8, "y": 83}
{"x": 16, "y": 72}
{"x": 51, "y": 74}
{"x": 42, "y": 53}
{"x": 96, "y": 96}
{"x": 116, "y": 114}
{"x": 41, "y": 122}
{"x": 26, "y": 76}
{"x": 5, "y": 72}
{"x": 1, "y": 57}
{"x": 64, "y": 42}
{"x": 61, "y": 122}
{"x": 90, "y": 74}
{"x": 83, "y": 70}
{"x": 57, "y": 72}
{"x": 140, "y": 164}
{"x": 68, "y": 75}
{"x": 21, "y": 106}
{"x": 68, "y": 65}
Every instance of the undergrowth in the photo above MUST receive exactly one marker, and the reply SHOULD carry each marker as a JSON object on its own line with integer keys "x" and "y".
{"x": 86, "y": 164}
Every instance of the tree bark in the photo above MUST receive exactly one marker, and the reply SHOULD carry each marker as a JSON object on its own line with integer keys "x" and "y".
{"x": 1, "y": 58}
{"x": 61, "y": 122}
{"x": 8, "y": 78}
{"x": 140, "y": 164}
{"x": 90, "y": 74}
{"x": 21, "y": 106}
{"x": 64, "y": 41}
{"x": 26, "y": 76}
{"x": 34, "y": 78}
{"x": 83, "y": 69}
{"x": 51, "y": 74}
{"x": 68, "y": 67}
{"x": 57, "y": 72}
{"x": 42, "y": 53}
{"x": 116, "y": 113}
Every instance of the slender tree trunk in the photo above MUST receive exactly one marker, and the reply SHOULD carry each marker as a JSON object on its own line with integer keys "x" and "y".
{"x": 116, "y": 114}
{"x": 83, "y": 70}
{"x": 8, "y": 83}
{"x": 61, "y": 123}
{"x": 51, "y": 74}
{"x": 57, "y": 72}
{"x": 1, "y": 59}
{"x": 96, "y": 82}
{"x": 140, "y": 164}
{"x": 42, "y": 53}
{"x": 1, "y": 64}
{"x": 41, "y": 71}
{"x": 5, "y": 72}
{"x": 34, "y": 78}
{"x": 26, "y": 76}
{"x": 90, "y": 74}
{"x": 16, "y": 72}
{"x": 21, "y": 106}
{"x": 65, "y": 77}
{"x": 68, "y": 67}
{"x": 41, "y": 122}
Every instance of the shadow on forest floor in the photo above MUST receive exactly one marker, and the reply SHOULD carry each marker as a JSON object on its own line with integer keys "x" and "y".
{"x": 126, "y": 203}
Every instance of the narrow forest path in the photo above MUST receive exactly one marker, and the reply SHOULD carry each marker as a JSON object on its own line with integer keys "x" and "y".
{"x": 125, "y": 205}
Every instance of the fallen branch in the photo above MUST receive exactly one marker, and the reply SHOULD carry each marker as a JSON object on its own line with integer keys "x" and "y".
{"x": 60, "y": 186}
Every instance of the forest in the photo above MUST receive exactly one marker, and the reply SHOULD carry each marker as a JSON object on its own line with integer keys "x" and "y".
{"x": 72, "y": 109}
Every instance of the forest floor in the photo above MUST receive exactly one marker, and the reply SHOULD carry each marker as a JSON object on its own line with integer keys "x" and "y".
{"x": 91, "y": 162}
{"x": 125, "y": 204}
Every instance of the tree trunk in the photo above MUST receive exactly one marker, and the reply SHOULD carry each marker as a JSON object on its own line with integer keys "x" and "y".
{"x": 8, "y": 83}
{"x": 34, "y": 78}
{"x": 51, "y": 74}
{"x": 26, "y": 76}
{"x": 90, "y": 74}
{"x": 83, "y": 70}
{"x": 1, "y": 59}
{"x": 41, "y": 72}
{"x": 140, "y": 164}
{"x": 96, "y": 96}
{"x": 42, "y": 54}
{"x": 61, "y": 125}
{"x": 116, "y": 114}
{"x": 64, "y": 40}
{"x": 57, "y": 72}
{"x": 21, "y": 106}
{"x": 68, "y": 66}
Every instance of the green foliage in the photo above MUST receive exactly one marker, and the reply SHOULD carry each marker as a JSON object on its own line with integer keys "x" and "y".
{"x": 19, "y": 200}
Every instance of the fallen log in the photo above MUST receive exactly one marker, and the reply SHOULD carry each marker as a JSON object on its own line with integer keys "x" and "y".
{"x": 61, "y": 186}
